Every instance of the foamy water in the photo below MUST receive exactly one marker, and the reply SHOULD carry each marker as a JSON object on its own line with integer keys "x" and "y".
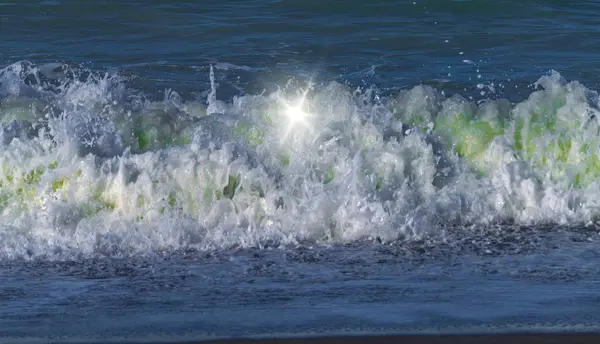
{"x": 173, "y": 171}
{"x": 91, "y": 167}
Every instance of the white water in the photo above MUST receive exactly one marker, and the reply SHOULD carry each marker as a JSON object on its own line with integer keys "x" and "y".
{"x": 89, "y": 168}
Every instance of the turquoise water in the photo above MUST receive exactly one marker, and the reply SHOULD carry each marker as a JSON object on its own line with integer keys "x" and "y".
{"x": 181, "y": 171}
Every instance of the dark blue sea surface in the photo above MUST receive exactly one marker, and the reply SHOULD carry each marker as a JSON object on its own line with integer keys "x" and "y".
{"x": 195, "y": 169}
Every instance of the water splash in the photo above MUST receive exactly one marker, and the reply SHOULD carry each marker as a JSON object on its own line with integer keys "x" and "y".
{"x": 90, "y": 167}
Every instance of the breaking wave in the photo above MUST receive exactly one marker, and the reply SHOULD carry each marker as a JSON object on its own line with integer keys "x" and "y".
{"x": 89, "y": 166}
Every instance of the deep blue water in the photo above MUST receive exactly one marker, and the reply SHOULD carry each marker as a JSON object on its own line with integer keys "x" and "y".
{"x": 119, "y": 155}
{"x": 392, "y": 44}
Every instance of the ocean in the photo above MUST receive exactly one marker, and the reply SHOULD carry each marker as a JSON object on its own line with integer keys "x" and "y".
{"x": 174, "y": 171}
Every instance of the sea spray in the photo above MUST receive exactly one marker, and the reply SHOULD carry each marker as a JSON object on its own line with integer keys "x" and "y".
{"x": 88, "y": 164}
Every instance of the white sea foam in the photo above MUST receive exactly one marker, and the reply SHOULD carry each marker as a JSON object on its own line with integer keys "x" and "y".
{"x": 101, "y": 173}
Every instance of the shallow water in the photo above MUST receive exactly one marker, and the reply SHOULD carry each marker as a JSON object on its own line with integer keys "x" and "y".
{"x": 358, "y": 288}
{"x": 291, "y": 167}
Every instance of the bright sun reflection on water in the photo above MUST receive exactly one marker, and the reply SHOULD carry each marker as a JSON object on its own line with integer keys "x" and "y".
{"x": 296, "y": 115}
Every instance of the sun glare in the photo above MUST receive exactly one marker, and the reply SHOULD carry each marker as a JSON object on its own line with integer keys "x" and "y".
{"x": 296, "y": 115}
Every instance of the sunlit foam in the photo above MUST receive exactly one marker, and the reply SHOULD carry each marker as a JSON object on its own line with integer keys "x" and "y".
{"x": 296, "y": 115}
{"x": 186, "y": 185}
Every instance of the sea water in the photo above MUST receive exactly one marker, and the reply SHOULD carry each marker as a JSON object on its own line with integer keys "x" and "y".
{"x": 173, "y": 171}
